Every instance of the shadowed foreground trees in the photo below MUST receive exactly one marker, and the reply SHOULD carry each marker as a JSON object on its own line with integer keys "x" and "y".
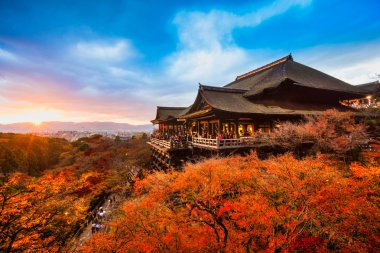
{"x": 29, "y": 154}
{"x": 243, "y": 204}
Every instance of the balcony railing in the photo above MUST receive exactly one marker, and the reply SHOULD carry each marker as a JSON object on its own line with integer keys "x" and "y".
{"x": 160, "y": 143}
{"x": 168, "y": 144}
{"x": 218, "y": 144}
{"x": 254, "y": 141}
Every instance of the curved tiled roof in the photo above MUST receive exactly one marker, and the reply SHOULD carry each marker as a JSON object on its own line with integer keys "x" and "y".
{"x": 167, "y": 113}
{"x": 370, "y": 88}
{"x": 267, "y": 66}
{"x": 274, "y": 74}
{"x": 233, "y": 101}
{"x": 239, "y": 96}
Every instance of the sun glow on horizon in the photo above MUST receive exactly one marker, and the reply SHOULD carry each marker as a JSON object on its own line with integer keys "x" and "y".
{"x": 35, "y": 116}
{"x": 38, "y": 116}
{"x": 36, "y": 123}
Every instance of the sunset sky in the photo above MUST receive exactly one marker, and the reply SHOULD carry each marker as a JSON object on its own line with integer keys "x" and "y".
{"x": 116, "y": 60}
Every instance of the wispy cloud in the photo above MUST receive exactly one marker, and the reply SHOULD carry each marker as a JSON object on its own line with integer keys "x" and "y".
{"x": 8, "y": 56}
{"x": 213, "y": 29}
{"x": 207, "y": 51}
{"x": 354, "y": 63}
{"x": 119, "y": 50}
{"x": 92, "y": 80}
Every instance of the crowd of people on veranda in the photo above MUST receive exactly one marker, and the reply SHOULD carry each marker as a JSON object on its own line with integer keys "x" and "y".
{"x": 178, "y": 138}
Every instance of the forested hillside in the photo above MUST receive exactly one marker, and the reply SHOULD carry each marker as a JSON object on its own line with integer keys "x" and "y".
{"x": 28, "y": 153}
{"x": 44, "y": 213}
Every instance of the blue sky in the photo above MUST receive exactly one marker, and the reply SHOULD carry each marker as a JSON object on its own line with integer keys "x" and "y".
{"x": 117, "y": 60}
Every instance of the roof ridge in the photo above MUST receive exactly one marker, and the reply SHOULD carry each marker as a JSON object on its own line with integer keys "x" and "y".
{"x": 171, "y": 107}
{"x": 269, "y": 65}
{"x": 364, "y": 84}
{"x": 215, "y": 88}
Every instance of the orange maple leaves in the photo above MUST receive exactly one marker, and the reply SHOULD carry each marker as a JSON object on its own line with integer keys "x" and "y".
{"x": 242, "y": 204}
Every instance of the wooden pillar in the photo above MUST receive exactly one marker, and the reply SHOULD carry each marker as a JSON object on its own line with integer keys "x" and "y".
{"x": 219, "y": 130}
{"x": 199, "y": 129}
{"x": 237, "y": 128}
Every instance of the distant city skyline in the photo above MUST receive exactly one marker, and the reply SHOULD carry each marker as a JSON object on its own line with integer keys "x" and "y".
{"x": 56, "y": 126}
{"x": 116, "y": 60}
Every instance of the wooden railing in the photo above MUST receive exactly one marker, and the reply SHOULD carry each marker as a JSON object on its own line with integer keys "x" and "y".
{"x": 231, "y": 143}
{"x": 161, "y": 143}
{"x": 243, "y": 142}
{"x": 168, "y": 144}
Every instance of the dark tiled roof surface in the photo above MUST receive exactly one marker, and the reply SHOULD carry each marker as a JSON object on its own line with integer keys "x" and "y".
{"x": 239, "y": 95}
{"x": 167, "y": 113}
{"x": 372, "y": 87}
{"x": 224, "y": 100}
{"x": 286, "y": 69}
{"x": 267, "y": 66}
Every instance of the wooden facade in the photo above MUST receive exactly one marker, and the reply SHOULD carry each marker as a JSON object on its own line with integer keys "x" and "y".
{"x": 229, "y": 117}
{"x": 371, "y": 99}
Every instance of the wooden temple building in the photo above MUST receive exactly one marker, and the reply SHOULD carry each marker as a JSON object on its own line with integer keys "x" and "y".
{"x": 370, "y": 100}
{"x": 226, "y": 119}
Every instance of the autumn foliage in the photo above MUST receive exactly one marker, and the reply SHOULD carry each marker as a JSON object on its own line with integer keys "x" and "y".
{"x": 39, "y": 214}
{"x": 46, "y": 213}
{"x": 333, "y": 132}
{"x": 29, "y": 154}
{"x": 244, "y": 204}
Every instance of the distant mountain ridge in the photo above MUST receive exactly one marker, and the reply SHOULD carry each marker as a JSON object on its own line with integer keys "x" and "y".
{"x": 55, "y": 126}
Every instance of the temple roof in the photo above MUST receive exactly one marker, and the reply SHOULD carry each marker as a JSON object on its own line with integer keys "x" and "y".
{"x": 167, "y": 113}
{"x": 224, "y": 99}
{"x": 370, "y": 88}
{"x": 274, "y": 74}
{"x": 240, "y": 96}
{"x": 267, "y": 66}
